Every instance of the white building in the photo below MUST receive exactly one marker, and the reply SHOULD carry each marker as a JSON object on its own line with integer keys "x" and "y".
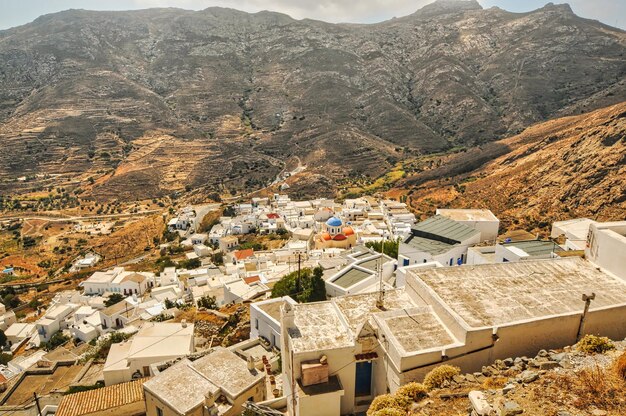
{"x": 217, "y": 384}
{"x": 18, "y": 332}
{"x": 198, "y": 238}
{"x": 575, "y": 232}
{"x": 155, "y": 342}
{"x": 90, "y": 260}
{"x": 606, "y": 247}
{"x": 361, "y": 274}
{"x": 526, "y": 250}
{"x": 54, "y": 320}
{"x": 437, "y": 239}
{"x": 265, "y": 320}
{"x": 216, "y": 234}
{"x": 482, "y": 220}
{"x": 340, "y": 354}
{"x": 6, "y": 318}
{"x": 117, "y": 280}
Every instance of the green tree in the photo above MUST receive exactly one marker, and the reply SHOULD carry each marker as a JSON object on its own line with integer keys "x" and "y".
{"x": 310, "y": 287}
{"x": 229, "y": 211}
{"x": 5, "y": 358}
{"x": 208, "y": 302}
{"x": 56, "y": 340}
{"x": 191, "y": 264}
{"x": 390, "y": 248}
{"x": 113, "y": 299}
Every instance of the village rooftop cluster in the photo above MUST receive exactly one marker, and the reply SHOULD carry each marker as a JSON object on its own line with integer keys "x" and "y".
{"x": 453, "y": 291}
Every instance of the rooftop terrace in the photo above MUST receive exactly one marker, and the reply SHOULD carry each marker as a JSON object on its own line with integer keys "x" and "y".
{"x": 358, "y": 308}
{"x": 468, "y": 214}
{"x": 318, "y": 327}
{"x": 417, "y": 329}
{"x": 501, "y": 294}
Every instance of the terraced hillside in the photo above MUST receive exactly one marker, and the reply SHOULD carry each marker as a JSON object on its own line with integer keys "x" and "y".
{"x": 235, "y": 96}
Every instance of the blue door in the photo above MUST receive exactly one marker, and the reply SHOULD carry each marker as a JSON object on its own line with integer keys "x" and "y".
{"x": 363, "y": 379}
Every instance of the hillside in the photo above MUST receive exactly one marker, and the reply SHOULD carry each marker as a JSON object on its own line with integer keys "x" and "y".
{"x": 568, "y": 167}
{"x": 150, "y": 102}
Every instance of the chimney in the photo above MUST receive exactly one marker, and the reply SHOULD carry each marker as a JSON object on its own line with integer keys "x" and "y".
{"x": 251, "y": 364}
{"x": 183, "y": 323}
{"x": 287, "y": 315}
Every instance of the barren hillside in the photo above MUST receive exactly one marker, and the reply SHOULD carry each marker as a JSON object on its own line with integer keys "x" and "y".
{"x": 153, "y": 101}
{"x": 568, "y": 167}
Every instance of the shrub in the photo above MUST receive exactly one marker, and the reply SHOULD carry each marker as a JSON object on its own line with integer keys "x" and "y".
{"x": 56, "y": 340}
{"x": 592, "y": 344}
{"x": 413, "y": 391}
{"x": 113, "y": 299}
{"x": 620, "y": 366}
{"x": 438, "y": 375}
{"x": 389, "y": 412}
{"x": 388, "y": 402}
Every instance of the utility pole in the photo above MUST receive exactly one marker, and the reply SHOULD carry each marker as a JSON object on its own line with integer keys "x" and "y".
{"x": 380, "y": 302}
{"x": 37, "y": 402}
{"x": 587, "y": 299}
{"x": 298, "y": 276}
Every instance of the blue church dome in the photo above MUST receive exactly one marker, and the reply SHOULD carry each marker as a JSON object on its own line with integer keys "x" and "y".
{"x": 334, "y": 222}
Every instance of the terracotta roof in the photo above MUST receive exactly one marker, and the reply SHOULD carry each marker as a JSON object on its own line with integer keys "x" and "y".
{"x": 251, "y": 279}
{"x": 243, "y": 254}
{"x": 272, "y": 216}
{"x": 99, "y": 400}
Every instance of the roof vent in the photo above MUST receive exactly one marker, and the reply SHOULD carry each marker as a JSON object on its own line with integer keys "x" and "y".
{"x": 184, "y": 323}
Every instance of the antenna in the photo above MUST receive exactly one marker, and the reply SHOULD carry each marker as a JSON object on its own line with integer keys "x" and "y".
{"x": 380, "y": 302}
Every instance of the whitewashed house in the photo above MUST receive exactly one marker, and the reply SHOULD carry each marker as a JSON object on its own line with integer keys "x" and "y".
{"x": 437, "y": 239}
{"x": 265, "y": 319}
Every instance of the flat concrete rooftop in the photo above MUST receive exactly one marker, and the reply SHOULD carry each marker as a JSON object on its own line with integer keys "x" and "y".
{"x": 358, "y": 308}
{"x": 417, "y": 329}
{"x": 504, "y": 293}
{"x": 318, "y": 327}
{"x": 272, "y": 308}
{"x": 468, "y": 214}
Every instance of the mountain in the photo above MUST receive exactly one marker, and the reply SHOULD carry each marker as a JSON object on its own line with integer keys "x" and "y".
{"x": 565, "y": 168}
{"x": 145, "y": 103}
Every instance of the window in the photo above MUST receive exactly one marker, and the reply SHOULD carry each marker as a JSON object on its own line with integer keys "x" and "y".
{"x": 159, "y": 411}
{"x": 256, "y": 324}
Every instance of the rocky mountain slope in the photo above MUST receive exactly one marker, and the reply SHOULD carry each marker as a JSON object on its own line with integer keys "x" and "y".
{"x": 151, "y": 101}
{"x": 564, "y": 168}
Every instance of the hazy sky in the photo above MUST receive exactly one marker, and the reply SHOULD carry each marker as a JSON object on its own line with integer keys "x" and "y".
{"x": 18, "y": 12}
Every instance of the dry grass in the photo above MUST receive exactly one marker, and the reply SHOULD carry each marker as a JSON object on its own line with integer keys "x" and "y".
{"x": 494, "y": 383}
{"x": 620, "y": 366}
{"x": 596, "y": 386}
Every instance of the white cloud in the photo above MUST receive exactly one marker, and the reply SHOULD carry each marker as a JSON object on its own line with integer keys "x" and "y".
{"x": 327, "y": 10}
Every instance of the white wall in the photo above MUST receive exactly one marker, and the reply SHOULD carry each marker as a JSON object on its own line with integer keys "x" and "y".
{"x": 607, "y": 247}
